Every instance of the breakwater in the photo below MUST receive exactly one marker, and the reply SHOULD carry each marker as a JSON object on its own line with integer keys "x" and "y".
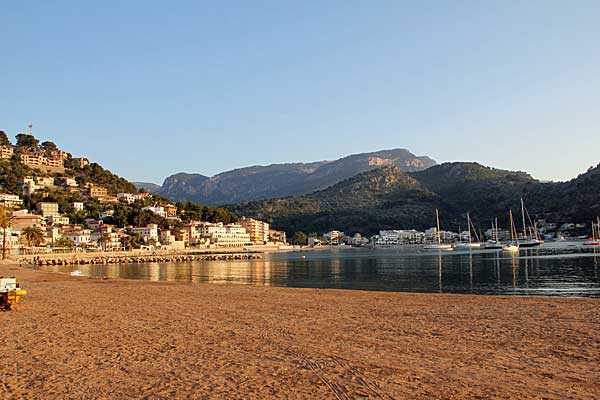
{"x": 135, "y": 259}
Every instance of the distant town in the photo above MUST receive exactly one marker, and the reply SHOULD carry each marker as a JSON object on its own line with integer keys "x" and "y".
{"x": 41, "y": 225}
{"x": 83, "y": 214}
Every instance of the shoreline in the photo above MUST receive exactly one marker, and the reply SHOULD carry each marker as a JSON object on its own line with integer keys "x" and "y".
{"x": 118, "y": 338}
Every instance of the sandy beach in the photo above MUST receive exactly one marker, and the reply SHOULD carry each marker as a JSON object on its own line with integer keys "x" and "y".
{"x": 80, "y": 338}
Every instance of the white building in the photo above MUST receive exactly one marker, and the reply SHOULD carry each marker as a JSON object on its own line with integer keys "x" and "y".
{"x": 160, "y": 211}
{"x": 131, "y": 197}
{"x": 148, "y": 233}
{"x": 218, "y": 234}
{"x": 106, "y": 213}
{"x": 78, "y": 206}
{"x": 77, "y": 235}
{"x": 333, "y": 237}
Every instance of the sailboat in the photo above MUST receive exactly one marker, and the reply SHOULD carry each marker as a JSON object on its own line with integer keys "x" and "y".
{"x": 595, "y": 235}
{"x": 513, "y": 245}
{"x": 439, "y": 245}
{"x": 493, "y": 243}
{"x": 533, "y": 240}
{"x": 470, "y": 245}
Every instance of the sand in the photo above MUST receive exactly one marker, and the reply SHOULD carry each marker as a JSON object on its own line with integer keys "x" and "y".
{"x": 80, "y": 338}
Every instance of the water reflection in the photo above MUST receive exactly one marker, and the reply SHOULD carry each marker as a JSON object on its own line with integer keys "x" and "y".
{"x": 563, "y": 271}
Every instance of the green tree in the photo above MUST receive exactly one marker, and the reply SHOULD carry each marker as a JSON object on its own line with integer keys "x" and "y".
{"x": 4, "y": 139}
{"x": 33, "y": 235}
{"x": 103, "y": 240}
{"x": 5, "y": 223}
{"x": 300, "y": 238}
{"x": 48, "y": 146}
{"x": 25, "y": 140}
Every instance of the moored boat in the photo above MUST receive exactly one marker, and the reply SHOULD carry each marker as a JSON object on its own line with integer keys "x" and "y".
{"x": 439, "y": 245}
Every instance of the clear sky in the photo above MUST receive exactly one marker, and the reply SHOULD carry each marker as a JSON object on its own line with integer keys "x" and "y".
{"x": 151, "y": 88}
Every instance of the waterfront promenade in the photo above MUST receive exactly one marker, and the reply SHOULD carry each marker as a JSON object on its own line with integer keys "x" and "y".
{"x": 75, "y": 337}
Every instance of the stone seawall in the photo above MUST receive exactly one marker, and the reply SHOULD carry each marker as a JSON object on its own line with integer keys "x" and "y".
{"x": 128, "y": 259}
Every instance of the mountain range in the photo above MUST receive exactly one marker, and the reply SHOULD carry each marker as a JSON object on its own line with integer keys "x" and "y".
{"x": 390, "y": 198}
{"x": 280, "y": 180}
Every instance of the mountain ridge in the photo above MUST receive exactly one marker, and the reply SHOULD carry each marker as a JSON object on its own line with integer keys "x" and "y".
{"x": 388, "y": 198}
{"x": 283, "y": 179}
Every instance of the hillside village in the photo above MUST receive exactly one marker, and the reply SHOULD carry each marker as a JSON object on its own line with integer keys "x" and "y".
{"x": 50, "y": 198}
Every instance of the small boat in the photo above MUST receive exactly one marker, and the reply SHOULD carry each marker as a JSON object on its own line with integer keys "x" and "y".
{"x": 442, "y": 246}
{"x": 492, "y": 245}
{"x": 527, "y": 244}
{"x": 470, "y": 245}
{"x": 595, "y": 241}
{"x": 439, "y": 245}
{"x": 513, "y": 245}
{"x": 76, "y": 273}
{"x": 529, "y": 241}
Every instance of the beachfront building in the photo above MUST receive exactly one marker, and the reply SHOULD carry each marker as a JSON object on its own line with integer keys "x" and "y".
{"x": 393, "y": 237}
{"x": 277, "y": 236}
{"x": 359, "y": 240}
{"x": 6, "y": 151}
{"x": 258, "y": 230}
{"x": 107, "y": 237}
{"x": 48, "y": 209}
{"x": 313, "y": 241}
{"x": 149, "y": 233}
{"x": 10, "y": 200}
{"x": 333, "y": 237}
{"x": 76, "y": 234}
{"x": 218, "y": 234}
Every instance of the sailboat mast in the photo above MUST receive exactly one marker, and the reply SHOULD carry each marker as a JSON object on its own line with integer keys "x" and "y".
{"x": 512, "y": 225}
{"x": 469, "y": 226}
{"x": 523, "y": 213}
{"x": 496, "y": 230}
{"x": 593, "y": 232}
{"x": 437, "y": 217}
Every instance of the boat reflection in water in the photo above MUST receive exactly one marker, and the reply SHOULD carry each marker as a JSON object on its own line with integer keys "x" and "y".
{"x": 563, "y": 270}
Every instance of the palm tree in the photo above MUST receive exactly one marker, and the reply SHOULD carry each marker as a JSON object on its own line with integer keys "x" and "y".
{"x": 5, "y": 223}
{"x": 33, "y": 235}
{"x": 102, "y": 240}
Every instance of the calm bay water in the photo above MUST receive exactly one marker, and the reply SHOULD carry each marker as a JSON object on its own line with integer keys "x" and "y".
{"x": 560, "y": 269}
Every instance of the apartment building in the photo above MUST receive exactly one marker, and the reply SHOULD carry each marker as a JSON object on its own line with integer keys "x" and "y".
{"x": 277, "y": 236}
{"x": 148, "y": 233}
{"x": 97, "y": 191}
{"x": 22, "y": 219}
{"x": 55, "y": 162}
{"x": 57, "y": 220}
{"x": 6, "y": 152}
{"x": 258, "y": 230}
{"x": 10, "y": 200}
{"x": 76, "y": 234}
{"x": 48, "y": 209}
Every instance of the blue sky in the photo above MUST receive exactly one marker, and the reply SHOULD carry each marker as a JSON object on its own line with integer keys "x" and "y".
{"x": 152, "y": 88}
